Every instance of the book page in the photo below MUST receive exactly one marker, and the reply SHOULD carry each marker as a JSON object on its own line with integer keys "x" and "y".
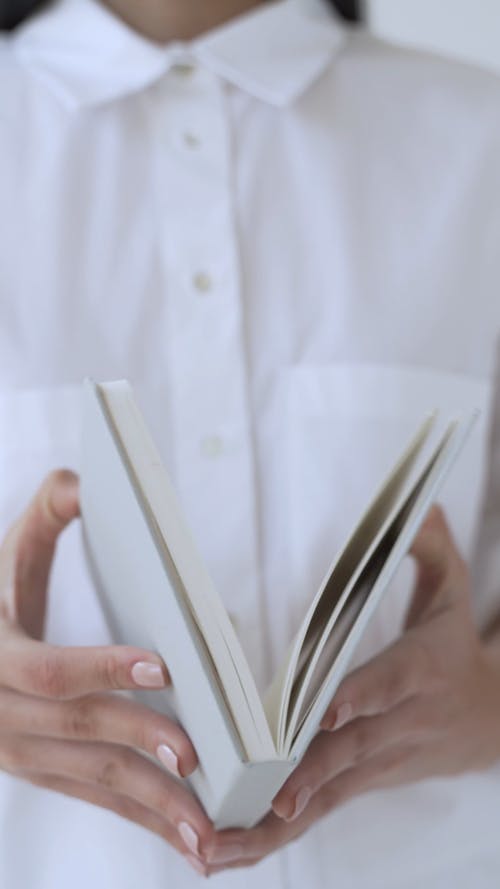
{"x": 309, "y": 680}
{"x": 360, "y": 611}
{"x": 277, "y": 698}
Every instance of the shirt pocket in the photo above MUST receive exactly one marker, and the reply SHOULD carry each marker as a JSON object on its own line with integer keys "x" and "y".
{"x": 345, "y": 426}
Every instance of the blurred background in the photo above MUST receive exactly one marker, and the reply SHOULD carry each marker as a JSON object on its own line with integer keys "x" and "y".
{"x": 466, "y": 29}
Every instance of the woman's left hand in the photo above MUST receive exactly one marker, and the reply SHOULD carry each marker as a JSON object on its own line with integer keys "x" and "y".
{"x": 427, "y": 706}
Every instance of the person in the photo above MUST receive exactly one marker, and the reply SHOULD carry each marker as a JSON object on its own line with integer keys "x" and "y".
{"x": 285, "y": 233}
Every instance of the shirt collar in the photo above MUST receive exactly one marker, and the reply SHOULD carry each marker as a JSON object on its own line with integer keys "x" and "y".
{"x": 87, "y": 56}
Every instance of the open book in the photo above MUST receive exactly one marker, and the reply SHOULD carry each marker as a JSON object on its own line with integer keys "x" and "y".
{"x": 158, "y": 594}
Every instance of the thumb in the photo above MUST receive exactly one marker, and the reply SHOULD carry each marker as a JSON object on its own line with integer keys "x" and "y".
{"x": 437, "y": 562}
{"x": 27, "y": 552}
{"x": 433, "y": 543}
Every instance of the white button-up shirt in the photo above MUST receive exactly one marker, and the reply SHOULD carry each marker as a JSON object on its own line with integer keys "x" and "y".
{"x": 287, "y": 236}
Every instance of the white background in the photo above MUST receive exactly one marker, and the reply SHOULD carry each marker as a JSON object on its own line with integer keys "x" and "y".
{"x": 467, "y": 29}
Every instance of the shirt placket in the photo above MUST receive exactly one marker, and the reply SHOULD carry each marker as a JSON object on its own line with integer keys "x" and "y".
{"x": 210, "y": 416}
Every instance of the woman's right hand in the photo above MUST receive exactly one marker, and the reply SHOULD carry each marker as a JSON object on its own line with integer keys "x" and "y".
{"x": 61, "y": 725}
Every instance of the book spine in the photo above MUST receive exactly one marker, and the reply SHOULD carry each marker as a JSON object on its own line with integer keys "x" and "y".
{"x": 247, "y": 797}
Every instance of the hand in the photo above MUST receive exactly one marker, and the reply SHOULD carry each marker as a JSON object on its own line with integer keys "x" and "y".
{"x": 427, "y": 706}
{"x": 61, "y": 726}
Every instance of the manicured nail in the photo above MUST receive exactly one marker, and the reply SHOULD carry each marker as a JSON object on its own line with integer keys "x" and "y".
{"x": 228, "y": 853}
{"x": 301, "y": 801}
{"x": 190, "y": 837}
{"x": 169, "y": 759}
{"x": 198, "y": 865}
{"x": 343, "y": 715}
{"x": 148, "y": 675}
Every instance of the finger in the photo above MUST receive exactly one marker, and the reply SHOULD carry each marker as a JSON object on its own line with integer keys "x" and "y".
{"x": 50, "y": 671}
{"x": 330, "y": 755}
{"x": 439, "y": 566}
{"x": 27, "y": 552}
{"x": 120, "y": 805}
{"x": 391, "y": 677}
{"x": 387, "y": 769}
{"x": 271, "y": 834}
{"x": 241, "y": 848}
{"x": 382, "y": 770}
{"x": 117, "y": 769}
{"x": 232, "y": 865}
{"x": 434, "y": 542}
{"x": 100, "y": 718}
{"x": 105, "y": 799}
{"x": 238, "y": 846}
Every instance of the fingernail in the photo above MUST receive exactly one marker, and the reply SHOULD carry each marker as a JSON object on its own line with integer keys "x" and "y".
{"x": 169, "y": 759}
{"x": 228, "y": 853}
{"x": 343, "y": 715}
{"x": 301, "y": 801}
{"x": 198, "y": 865}
{"x": 148, "y": 675}
{"x": 190, "y": 837}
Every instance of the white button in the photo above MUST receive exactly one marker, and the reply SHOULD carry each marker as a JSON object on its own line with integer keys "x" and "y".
{"x": 182, "y": 70}
{"x": 191, "y": 139}
{"x": 202, "y": 282}
{"x": 212, "y": 446}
